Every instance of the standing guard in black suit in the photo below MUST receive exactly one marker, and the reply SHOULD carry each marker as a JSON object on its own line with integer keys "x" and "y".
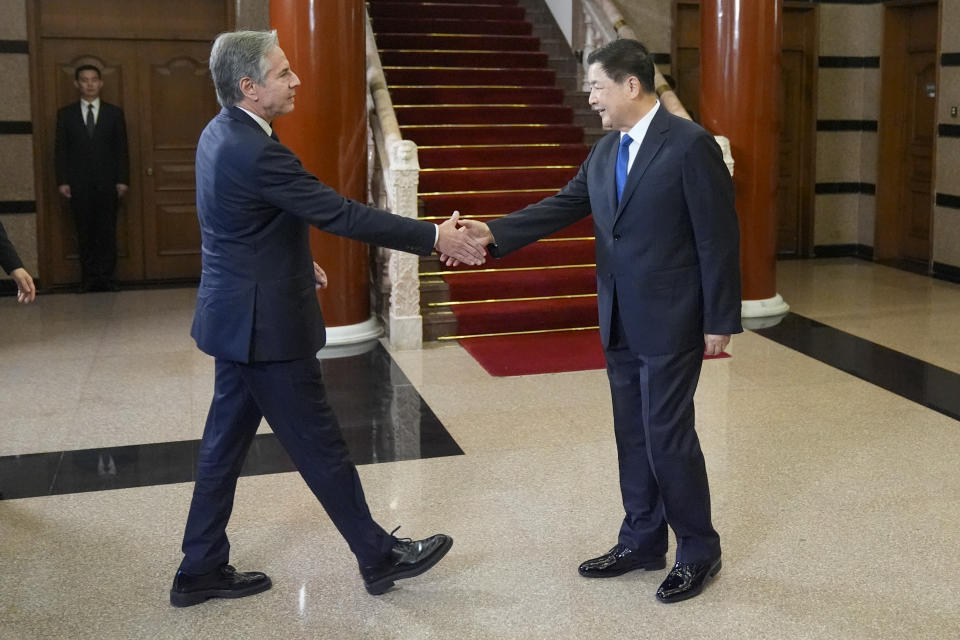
{"x": 93, "y": 173}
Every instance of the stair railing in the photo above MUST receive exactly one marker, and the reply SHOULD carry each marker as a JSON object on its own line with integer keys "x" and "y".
{"x": 604, "y": 23}
{"x": 392, "y": 182}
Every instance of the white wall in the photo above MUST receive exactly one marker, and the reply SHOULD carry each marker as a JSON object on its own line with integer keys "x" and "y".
{"x": 563, "y": 13}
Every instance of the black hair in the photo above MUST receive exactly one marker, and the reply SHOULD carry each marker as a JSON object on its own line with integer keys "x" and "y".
{"x": 622, "y": 58}
{"x": 85, "y": 67}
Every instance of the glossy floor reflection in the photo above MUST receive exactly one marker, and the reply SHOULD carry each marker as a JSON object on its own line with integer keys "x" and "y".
{"x": 381, "y": 415}
{"x": 835, "y": 498}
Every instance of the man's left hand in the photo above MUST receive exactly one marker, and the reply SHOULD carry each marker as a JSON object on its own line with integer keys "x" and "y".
{"x": 714, "y": 345}
{"x": 121, "y": 190}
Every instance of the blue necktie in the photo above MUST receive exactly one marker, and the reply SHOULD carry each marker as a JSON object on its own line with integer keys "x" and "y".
{"x": 623, "y": 157}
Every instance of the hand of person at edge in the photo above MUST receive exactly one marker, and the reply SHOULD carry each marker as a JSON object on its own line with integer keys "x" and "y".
{"x": 475, "y": 229}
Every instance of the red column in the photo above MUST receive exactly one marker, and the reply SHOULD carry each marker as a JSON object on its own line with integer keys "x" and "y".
{"x": 324, "y": 40}
{"x": 740, "y": 99}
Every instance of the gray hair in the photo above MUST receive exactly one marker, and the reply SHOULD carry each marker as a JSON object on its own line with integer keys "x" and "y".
{"x": 236, "y": 55}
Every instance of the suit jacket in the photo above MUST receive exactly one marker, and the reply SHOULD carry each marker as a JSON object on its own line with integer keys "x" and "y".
{"x": 9, "y": 260}
{"x": 669, "y": 252}
{"x": 255, "y": 202}
{"x": 85, "y": 161}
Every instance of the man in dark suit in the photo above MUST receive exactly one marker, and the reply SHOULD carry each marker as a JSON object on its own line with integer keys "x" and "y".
{"x": 668, "y": 284}
{"x": 11, "y": 263}
{"x": 257, "y": 314}
{"x": 93, "y": 173}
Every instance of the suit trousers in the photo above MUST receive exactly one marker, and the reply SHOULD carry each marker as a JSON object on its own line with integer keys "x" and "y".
{"x": 291, "y": 395}
{"x": 663, "y": 478}
{"x": 94, "y": 208}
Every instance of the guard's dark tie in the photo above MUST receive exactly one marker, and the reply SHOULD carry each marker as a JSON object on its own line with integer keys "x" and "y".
{"x": 623, "y": 158}
{"x": 91, "y": 121}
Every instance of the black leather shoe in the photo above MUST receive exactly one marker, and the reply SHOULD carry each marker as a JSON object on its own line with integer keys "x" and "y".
{"x": 618, "y": 561}
{"x": 686, "y": 580}
{"x": 408, "y": 558}
{"x": 223, "y": 582}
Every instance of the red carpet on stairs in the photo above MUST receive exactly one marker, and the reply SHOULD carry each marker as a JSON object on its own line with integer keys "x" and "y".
{"x": 534, "y": 353}
{"x": 473, "y": 90}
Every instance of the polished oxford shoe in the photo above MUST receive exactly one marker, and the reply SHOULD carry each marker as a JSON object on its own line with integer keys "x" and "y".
{"x": 223, "y": 582}
{"x": 407, "y": 558}
{"x": 618, "y": 561}
{"x": 686, "y": 580}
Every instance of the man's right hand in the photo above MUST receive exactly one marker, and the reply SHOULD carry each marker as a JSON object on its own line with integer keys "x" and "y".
{"x": 477, "y": 230}
{"x": 64, "y": 190}
{"x": 456, "y": 244}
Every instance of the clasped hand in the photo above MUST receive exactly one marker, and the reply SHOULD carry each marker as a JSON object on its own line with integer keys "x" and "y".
{"x": 457, "y": 243}
{"x": 475, "y": 232}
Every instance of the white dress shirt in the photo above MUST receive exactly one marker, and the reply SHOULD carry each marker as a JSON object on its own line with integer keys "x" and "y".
{"x": 637, "y": 134}
{"x": 96, "y": 109}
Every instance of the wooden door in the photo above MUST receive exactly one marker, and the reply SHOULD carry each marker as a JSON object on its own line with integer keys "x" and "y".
{"x": 917, "y": 192}
{"x": 686, "y": 54}
{"x": 907, "y": 132}
{"x": 797, "y": 131}
{"x": 176, "y": 102}
{"x": 117, "y": 61}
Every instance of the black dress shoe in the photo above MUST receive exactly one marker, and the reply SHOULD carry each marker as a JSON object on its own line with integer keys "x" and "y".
{"x": 618, "y": 561}
{"x": 223, "y": 582}
{"x": 686, "y": 580}
{"x": 408, "y": 558}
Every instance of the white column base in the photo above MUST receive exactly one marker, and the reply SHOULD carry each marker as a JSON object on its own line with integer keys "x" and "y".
{"x": 406, "y": 332}
{"x": 365, "y": 331}
{"x": 774, "y": 306}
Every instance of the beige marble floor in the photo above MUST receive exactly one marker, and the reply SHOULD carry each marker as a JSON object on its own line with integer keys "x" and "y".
{"x": 836, "y": 501}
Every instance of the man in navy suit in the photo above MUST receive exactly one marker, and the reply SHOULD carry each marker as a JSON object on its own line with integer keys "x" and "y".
{"x": 257, "y": 314}
{"x": 668, "y": 290}
{"x": 93, "y": 173}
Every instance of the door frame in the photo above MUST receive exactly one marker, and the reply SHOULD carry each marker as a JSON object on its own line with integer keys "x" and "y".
{"x": 890, "y": 131}
{"x": 43, "y": 131}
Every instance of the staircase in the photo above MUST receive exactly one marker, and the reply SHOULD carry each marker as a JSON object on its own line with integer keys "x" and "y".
{"x": 490, "y": 98}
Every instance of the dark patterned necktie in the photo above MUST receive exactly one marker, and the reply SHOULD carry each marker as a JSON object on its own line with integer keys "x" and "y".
{"x": 91, "y": 122}
{"x": 623, "y": 158}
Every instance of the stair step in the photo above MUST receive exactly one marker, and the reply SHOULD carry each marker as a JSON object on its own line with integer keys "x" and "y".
{"x": 482, "y": 203}
{"x": 501, "y": 155}
{"x": 427, "y": 10}
{"x": 481, "y": 179}
{"x": 446, "y": 25}
{"x": 489, "y": 285}
{"x": 491, "y": 134}
{"x": 535, "y": 315}
{"x": 455, "y": 58}
{"x": 483, "y": 114}
{"x": 454, "y": 41}
{"x": 496, "y": 94}
{"x": 574, "y": 251}
{"x": 452, "y": 76}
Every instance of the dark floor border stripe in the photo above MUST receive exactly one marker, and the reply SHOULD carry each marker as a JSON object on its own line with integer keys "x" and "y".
{"x": 363, "y": 391}
{"x": 846, "y": 125}
{"x": 14, "y": 46}
{"x": 18, "y": 206}
{"x": 13, "y": 127}
{"x": 950, "y": 59}
{"x": 843, "y": 251}
{"x": 947, "y": 200}
{"x": 824, "y": 188}
{"x": 896, "y": 372}
{"x": 946, "y": 272}
{"x": 949, "y": 130}
{"x": 849, "y": 62}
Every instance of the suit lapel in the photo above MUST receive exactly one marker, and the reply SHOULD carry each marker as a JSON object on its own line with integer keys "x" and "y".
{"x": 651, "y": 145}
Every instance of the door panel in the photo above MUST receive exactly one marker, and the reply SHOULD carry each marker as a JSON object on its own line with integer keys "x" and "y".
{"x": 177, "y": 101}
{"x": 918, "y": 192}
{"x": 117, "y": 60}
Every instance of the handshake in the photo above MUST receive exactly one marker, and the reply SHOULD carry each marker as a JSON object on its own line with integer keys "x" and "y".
{"x": 463, "y": 241}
